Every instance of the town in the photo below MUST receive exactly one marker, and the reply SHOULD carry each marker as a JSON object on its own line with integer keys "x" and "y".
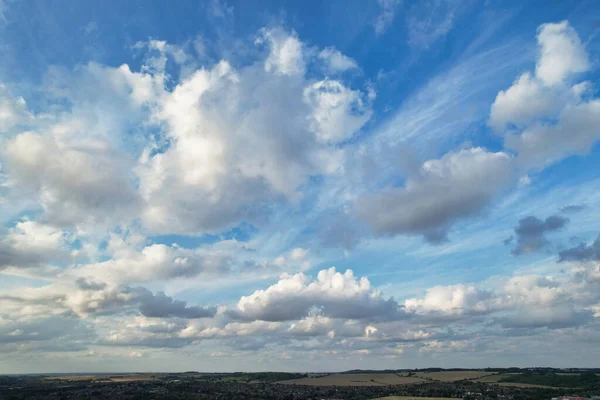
{"x": 427, "y": 384}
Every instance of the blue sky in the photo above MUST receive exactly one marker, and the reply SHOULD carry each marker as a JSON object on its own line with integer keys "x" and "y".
{"x": 177, "y": 182}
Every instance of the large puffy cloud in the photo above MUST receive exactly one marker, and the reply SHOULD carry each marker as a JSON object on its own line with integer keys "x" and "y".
{"x": 333, "y": 311}
{"x": 226, "y": 144}
{"x": 76, "y": 180}
{"x": 458, "y": 299}
{"x": 85, "y": 298}
{"x": 229, "y": 143}
{"x": 574, "y": 133}
{"x": 243, "y": 140}
{"x": 532, "y": 96}
{"x": 151, "y": 305}
{"x": 523, "y": 301}
{"x": 131, "y": 260}
{"x": 332, "y": 294}
{"x": 458, "y": 185}
{"x": 552, "y": 118}
{"x": 526, "y": 100}
{"x": 69, "y": 159}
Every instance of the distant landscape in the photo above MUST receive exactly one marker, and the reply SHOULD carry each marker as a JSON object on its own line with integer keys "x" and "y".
{"x": 401, "y": 384}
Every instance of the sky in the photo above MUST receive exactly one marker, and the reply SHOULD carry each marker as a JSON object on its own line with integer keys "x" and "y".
{"x": 298, "y": 186}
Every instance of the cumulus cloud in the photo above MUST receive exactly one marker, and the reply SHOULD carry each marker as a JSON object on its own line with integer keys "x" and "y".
{"x": 76, "y": 180}
{"x": 222, "y": 145}
{"x": 130, "y": 261}
{"x": 243, "y": 140}
{"x": 73, "y": 160}
{"x": 87, "y": 298}
{"x": 231, "y": 143}
{"x": 151, "y": 152}
{"x": 332, "y": 294}
{"x": 30, "y": 243}
{"x": 561, "y": 53}
{"x": 457, "y": 299}
{"x": 525, "y": 101}
{"x": 337, "y": 112}
{"x": 523, "y": 301}
{"x": 531, "y": 231}
{"x": 458, "y": 185}
{"x": 545, "y": 117}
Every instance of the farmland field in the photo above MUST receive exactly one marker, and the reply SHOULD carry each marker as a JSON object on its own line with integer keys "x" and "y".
{"x": 381, "y": 379}
{"x": 497, "y": 378}
{"x": 452, "y": 376}
{"x": 111, "y": 378}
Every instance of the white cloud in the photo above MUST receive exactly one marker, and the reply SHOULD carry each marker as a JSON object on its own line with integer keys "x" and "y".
{"x": 526, "y": 100}
{"x": 523, "y": 301}
{"x": 332, "y": 294}
{"x": 286, "y": 55}
{"x": 457, "y": 299}
{"x": 132, "y": 262}
{"x": 338, "y": 112}
{"x": 561, "y": 53}
{"x": 456, "y": 186}
{"x": 145, "y": 153}
{"x": 243, "y": 139}
{"x": 574, "y": 133}
{"x": 335, "y": 61}
{"x": 13, "y": 111}
{"x": 76, "y": 180}
{"x": 554, "y": 119}
{"x": 32, "y": 244}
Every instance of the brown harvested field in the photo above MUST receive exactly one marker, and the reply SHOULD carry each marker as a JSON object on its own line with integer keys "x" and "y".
{"x": 107, "y": 378}
{"x": 414, "y": 398}
{"x": 382, "y": 379}
{"x": 134, "y": 377}
{"x": 452, "y": 376}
